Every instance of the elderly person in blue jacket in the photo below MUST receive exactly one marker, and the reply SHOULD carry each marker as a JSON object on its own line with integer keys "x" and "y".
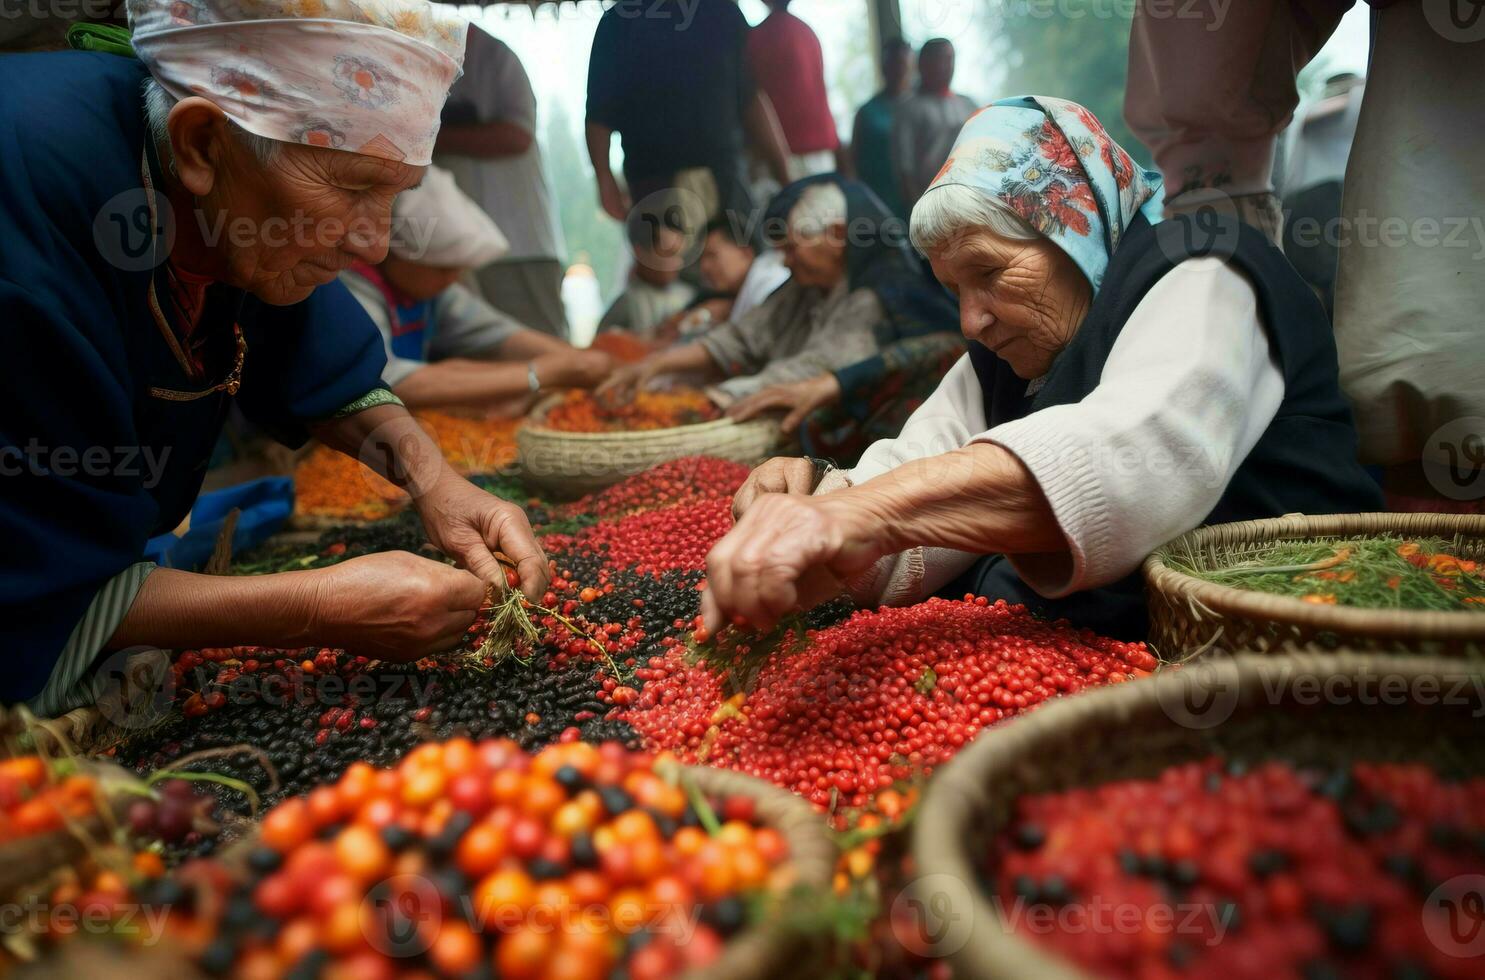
{"x": 1128, "y": 379}
{"x": 173, "y": 226}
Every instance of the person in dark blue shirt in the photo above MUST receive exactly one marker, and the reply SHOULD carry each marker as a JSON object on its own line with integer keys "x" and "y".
{"x": 672, "y": 80}
{"x": 158, "y": 261}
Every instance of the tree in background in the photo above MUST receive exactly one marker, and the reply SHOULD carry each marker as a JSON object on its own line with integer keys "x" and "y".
{"x": 1071, "y": 49}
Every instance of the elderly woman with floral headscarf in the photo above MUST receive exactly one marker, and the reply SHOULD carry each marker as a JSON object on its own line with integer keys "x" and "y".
{"x": 1128, "y": 379}
{"x": 173, "y": 224}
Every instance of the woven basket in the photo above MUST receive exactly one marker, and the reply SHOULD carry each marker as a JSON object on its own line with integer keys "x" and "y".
{"x": 1255, "y": 708}
{"x": 1189, "y": 615}
{"x": 772, "y": 950}
{"x": 570, "y": 464}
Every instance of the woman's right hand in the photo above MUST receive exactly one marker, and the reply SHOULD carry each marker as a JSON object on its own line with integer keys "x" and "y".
{"x": 393, "y": 606}
{"x": 782, "y": 474}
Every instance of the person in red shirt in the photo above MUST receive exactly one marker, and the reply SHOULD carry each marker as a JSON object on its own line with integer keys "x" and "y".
{"x": 787, "y": 63}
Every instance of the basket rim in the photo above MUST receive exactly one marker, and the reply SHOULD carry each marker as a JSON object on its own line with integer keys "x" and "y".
{"x": 1180, "y": 588}
{"x": 959, "y": 787}
{"x": 770, "y": 946}
{"x": 533, "y": 430}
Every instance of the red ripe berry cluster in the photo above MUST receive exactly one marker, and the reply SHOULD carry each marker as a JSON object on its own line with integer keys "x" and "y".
{"x": 876, "y": 699}
{"x": 656, "y": 541}
{"x": 477, "y": 859}
{"x": 690, "y": 480}
{"x": 1219, "y": 870}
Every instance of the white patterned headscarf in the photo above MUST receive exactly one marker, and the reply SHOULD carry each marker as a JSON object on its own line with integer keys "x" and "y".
{"x": 368, "y": 76}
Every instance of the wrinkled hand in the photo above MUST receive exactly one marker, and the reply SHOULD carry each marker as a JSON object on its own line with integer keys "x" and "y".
{"x": 626, "y": 381}
{"x": 782, "y": 474}
{"x": 614, "y": 199}
{"x": 470, "y": 525}
{"x": 788, "y": 552}
{"x": 799, "y": 399}
{"x": 392, "y": 606}
{"x": 573, "y": 369}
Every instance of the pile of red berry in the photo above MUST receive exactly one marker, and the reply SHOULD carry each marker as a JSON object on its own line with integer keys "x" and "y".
{"x": 690, "y": 480}
{"x": 477, "y": 859}
{"x": 677, "y": 537}
{"x": 877, "y": 699}
{"x": 1214, "y": 869}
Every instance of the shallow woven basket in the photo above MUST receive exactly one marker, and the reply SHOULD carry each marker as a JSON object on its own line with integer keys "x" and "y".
{"x": 570, "y": 464}
{"x": 1250, "y": 707}
{"x": 1189, "y": 615}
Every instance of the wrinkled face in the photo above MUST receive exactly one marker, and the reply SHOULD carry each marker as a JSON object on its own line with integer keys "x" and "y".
{"x": 280, "y": 228}
{"x": 815, "y": 256}
{"x": 417, "y": 281}
{"x": 724, "y": 265}
{"x": 660, "y": 263}
{"x": 1024, "y": 300}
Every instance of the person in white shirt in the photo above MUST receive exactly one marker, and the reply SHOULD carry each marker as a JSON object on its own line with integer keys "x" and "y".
{"x": 446, "y": 347}
{"x": 1128, "y": 379}
{"x": 488, "y": 142}
{"x": 729, "y": 264}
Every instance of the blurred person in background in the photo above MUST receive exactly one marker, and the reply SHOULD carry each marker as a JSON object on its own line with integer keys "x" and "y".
{"x": 655, "y": 292}
{"x": 1310, "y": 178}
{"x": 871, "y": 134}
{"x": 730, "y": 265}
{"x": 787, "y": 62}
{"x": 1409, "y": 288}
{"x": 674, "y": 83}
{"x": 855, "y": 291}
{"x": 446, "y": 347}
{"x": 488, "y": 142}
{"x": 927, "y": 122}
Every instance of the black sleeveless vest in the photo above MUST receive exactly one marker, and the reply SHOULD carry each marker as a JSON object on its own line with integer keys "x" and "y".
{"x": 1305, "y": 462}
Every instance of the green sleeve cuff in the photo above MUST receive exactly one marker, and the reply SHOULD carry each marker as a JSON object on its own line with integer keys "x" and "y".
{"x": 373, "y": 398}
{"x": 71, "y": 684}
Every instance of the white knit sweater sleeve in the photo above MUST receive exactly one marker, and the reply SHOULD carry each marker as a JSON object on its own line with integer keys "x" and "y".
{"x": 1189, "y": 387}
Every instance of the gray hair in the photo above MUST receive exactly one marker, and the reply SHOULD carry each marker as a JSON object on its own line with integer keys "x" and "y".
{"x": 950, "y": 209}
{"x": 819, "y": 208}
{"x": 157, "y": 106}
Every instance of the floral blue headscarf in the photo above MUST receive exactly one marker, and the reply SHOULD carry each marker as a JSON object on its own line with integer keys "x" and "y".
{"x": 1052, "y": 163}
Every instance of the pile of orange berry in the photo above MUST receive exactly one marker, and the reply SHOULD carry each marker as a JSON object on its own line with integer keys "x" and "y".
{"x": 31, "y": 802}
{"x": 476, "y": 859}
{"x": 580, "y": 411}
{"x": 331, "y": 484}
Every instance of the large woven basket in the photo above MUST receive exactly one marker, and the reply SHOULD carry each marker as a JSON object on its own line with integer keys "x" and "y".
{"x": 1248, "y": 707}
{"x": 570, "y": 464}
{"x": 1189, "y": 615}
